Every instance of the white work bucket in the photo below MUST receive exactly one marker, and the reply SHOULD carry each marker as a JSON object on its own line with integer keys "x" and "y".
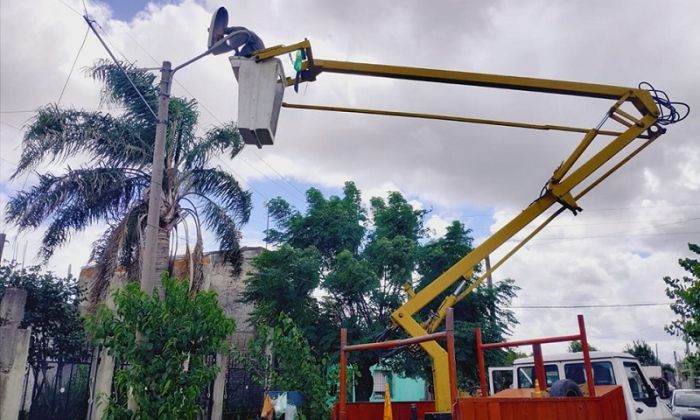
{"x": 260, "y": 92}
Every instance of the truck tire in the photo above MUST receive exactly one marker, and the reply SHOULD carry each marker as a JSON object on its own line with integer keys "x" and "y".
{"x": 565, "y": 388}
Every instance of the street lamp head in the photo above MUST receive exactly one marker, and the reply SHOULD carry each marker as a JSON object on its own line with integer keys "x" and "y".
{"x": 223, "y": 38}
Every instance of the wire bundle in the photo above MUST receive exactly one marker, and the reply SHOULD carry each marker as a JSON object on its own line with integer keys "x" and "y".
{"x": 669, "y": 113}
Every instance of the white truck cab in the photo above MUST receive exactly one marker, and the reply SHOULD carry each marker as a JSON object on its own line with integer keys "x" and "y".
{"x": 609, "y": 368}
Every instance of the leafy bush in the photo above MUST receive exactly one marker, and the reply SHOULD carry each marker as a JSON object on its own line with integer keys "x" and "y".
{"x": 163, "y": 343}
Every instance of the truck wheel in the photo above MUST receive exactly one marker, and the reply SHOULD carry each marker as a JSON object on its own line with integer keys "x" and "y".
{"x": 565, "y": 388}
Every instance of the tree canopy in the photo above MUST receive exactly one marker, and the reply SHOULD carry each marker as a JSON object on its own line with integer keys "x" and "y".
{"x": 111, "y": 185}
{"x": 51, "y": 310}
{"x": 685, "y": 295}
{"x": 343, "y": 264}
{"x": 577, "y": 347}
{"x": 643, "y": 352}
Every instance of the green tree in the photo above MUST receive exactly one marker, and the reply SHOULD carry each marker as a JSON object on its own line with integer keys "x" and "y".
{"x": 282, "y": 281}
{"x": 576, "y": 347}
{"x": 485, "y": 308}
{"x": 512, "y": 356}
{"x": 286, "y": 362}
{"x": 685, "y": 294}
{"x": 52, "y": 313}
{"x": 643, "y": 352}
{"x": 112, "y": 186}
{"x": 362, "y": 259}
{"x": 166, "y": 367}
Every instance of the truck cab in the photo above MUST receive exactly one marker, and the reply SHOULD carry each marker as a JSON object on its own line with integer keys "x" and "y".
{"x": 609, "y": 368}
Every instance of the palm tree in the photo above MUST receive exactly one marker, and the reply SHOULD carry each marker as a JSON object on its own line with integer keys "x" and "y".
{"x": 112, "y": 187}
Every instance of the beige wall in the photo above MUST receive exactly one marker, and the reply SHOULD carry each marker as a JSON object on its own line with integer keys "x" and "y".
{"x": 217, "y": 277}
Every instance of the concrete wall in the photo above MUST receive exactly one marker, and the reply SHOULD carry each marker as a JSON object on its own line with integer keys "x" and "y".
{"x": 14, "y": 348}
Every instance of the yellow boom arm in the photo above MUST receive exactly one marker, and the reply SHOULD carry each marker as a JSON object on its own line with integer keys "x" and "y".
{"x": 558, "y": 190}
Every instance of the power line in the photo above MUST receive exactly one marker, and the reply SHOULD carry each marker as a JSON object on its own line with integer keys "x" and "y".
{"x": 617, "y": 235}
{"x": 18, "y": 111}
{"x": 280, "y": 175}
{"x": 70, "y": 7}
{"x": 70, "y": 73}
{"x": 9, "y": 161}
{"x": 241, "y": 178}
{"x": 591, "y": 210}
{"x": 611, "y": 305}
{"x": 10, "y": 125}
{"x": 119, "y": 66}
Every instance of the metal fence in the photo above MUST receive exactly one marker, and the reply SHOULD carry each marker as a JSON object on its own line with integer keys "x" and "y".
{"x": 243, "y": 397}
{"x": 56, "y": 390}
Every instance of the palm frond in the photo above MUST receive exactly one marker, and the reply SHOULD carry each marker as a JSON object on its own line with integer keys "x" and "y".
{"x": 182, "y": 125}
{"x": 227, "y": 232}
{"x": 193, "y": 261}
{"x": 118, "y": 246}
{"x": 73, "y": 201}
{"x": 56, "y": 134}
{"x": 215, "y": 142}
{"x": 222, "y": 188}
{"x": 118, "y": 90}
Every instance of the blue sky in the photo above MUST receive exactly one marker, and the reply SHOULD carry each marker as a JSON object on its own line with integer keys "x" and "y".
{"x": 127, "y": 9}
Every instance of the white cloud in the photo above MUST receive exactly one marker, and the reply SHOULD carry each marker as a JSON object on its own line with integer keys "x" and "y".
{"x": 437, "y": 225}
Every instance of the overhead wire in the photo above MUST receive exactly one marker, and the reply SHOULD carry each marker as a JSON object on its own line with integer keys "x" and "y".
{"x": 228, "y": 167}
{"x": 603, "y": 305}
{"x": 70, "y": 73}
{"x": 70, "y": 7}
{"x": 119, "y": 66}
{"x": 10, "y": 125}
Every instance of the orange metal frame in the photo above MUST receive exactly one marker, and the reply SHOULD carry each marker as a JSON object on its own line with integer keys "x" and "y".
{"x": 448, "y": 335}
{"x": 537, "y": 354}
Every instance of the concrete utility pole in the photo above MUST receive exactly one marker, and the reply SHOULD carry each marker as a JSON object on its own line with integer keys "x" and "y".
{"x": 2, "y": 245}
{"x": 149, "y": 276}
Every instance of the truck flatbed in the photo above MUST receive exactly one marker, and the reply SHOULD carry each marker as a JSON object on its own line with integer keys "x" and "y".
{"x": 509, "y": 404}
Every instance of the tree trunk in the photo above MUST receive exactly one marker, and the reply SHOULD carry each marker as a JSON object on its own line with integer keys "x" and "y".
{"x": 162, "y": 257}
{"x": 365, "y": 384}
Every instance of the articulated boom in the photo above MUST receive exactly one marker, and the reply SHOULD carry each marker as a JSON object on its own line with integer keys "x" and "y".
{"x": 558, "y": 190}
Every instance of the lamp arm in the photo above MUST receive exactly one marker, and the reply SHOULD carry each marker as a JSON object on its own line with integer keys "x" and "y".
{"x": 216, "y": 45}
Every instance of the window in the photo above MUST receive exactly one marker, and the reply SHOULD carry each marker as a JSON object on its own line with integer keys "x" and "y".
{"x": 526, "y": 376}
{"x": 602, "y": 373}
{"x": 379, "y": 377}
{"x": 638, "y": 386}
{"x": 502, "y": 379}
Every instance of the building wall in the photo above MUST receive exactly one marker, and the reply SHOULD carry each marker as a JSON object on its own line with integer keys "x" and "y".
{"x": 217, "y": 277}
{"x": 400, "y": 388}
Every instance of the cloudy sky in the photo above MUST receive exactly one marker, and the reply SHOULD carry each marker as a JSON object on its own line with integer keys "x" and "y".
{"x": 632, "y": 231}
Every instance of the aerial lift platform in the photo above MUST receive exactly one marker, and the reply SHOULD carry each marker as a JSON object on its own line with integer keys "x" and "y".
{"x": 640, "y": 115}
